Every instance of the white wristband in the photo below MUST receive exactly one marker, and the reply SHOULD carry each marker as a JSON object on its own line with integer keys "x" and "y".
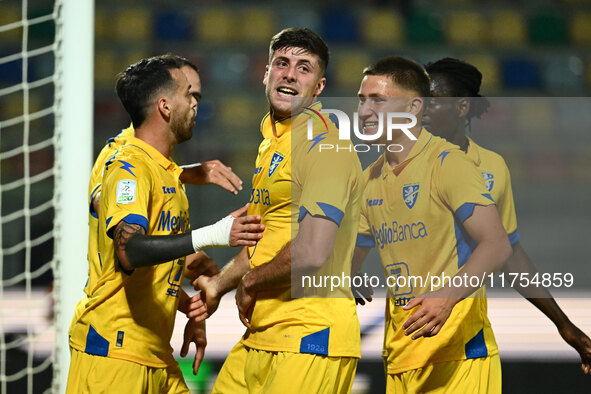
{"x": 213, "y": 236}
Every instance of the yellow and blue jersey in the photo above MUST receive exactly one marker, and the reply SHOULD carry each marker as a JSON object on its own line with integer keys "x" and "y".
{"x": 292, "y": 179}
{"x": 498, "y": 182}
{"x": 94, "y": 187}
{"x": 414, "y": 215}
{"x": 130, "y": 315}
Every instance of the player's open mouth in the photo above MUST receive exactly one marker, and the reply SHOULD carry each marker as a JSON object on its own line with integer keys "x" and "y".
{"x": 287, "y": 91}
{"x": 369, "y": 126}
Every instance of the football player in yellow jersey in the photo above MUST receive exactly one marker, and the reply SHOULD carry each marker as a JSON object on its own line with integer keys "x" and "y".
{"x": 455, "y": 87}
{"x": 427, "y": 210}
{"x": 208, "y": 172}
{"x": 309, "y": 203}
{"x": 121, "y": 337}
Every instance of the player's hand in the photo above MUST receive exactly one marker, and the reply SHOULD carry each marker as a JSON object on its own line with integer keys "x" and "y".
{"x": 196, "y": 307}
{"x": 200, "y": 264}
{"x": 246, "y": 230}
{"x": 205, "y": 303}
{"x": 195, "y": 332}
{"x": 245, "y": 303}
{"x": 362, "y": 293}
{"x": 580, "y": 342}
{"x": 430, "y": 316}
{"x": 212, "y": 172}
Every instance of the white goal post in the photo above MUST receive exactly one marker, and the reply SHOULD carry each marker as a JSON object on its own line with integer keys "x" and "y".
{"x": 74, "y": 128}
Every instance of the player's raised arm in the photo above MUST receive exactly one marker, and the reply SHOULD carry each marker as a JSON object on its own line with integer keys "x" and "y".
{"x": 136, "y": 249}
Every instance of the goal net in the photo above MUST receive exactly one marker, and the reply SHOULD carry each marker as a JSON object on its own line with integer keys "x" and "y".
{"x": 45, "y": 151}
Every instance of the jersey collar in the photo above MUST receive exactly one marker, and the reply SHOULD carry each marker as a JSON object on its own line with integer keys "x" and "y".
{"x": 419, "y": 146}
{"x": 153, "y": 153}
{"x": 473, "y": 152}
{"x": 283, "y": 126}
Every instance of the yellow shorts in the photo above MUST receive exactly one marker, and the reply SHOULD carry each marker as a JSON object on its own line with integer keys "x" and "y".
{"x": 252, "y": 371}
{"x": 96, "y": 374}
{"x": 477, "y": 375}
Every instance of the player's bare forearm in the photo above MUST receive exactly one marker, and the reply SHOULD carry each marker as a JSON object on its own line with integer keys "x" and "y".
{"x": 136, "y": 249}
{"x": 519, "y": 262}
{"x": 198, "y": 264}
{"x": 310, "y": 249}
{"x": 214, "y": 288}
{"x": 274, "y": 274}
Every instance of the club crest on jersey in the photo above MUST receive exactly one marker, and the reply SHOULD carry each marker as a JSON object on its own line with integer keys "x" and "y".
{"x": 410, "y": 193}
{"x": 489, "y": 179}
{"x": 275, "y": 161}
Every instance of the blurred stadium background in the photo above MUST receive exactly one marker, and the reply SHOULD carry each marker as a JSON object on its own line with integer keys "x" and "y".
{"x": 523, "y": 48}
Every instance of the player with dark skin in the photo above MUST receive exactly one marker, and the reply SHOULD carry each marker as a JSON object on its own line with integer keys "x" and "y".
{"x": 449, "y": 118}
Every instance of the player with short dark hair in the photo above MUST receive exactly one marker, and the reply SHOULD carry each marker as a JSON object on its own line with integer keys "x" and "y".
{"x": 121, "y": 336}
{"x": 435, "y": 219}
{"x": 455, "y": 86}
{"x": 309, "y": 202}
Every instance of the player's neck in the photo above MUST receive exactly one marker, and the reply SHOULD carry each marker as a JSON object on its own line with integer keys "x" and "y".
{"x": 460, "y": 139}
{"x": 155, "y": 137}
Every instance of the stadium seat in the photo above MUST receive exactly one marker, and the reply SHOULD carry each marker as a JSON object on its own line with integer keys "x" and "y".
{"x": 507, "y": 29}
{"x": 339, "y": 25}
{"x": 215, "y": 25}
{"x": 257, "y": 26}
{"x": 580, "y": 28}
{"x": 228, "y": 68}
{"x": 103, "y": 25}
{"x": 383, "y": 28}
{"x": 348, "y": 67}
{"x": 132, "y": 24}
{"x": 489, "y": 68}
{"x": 465, "y": 28}
{"x": 42, "y": 33}
{"x": 10, "y": 14}
{"x": 548, "y": 28}
{"x": 239, "y": 112}
{"x": 106, "y": 66}
{"x": 424, "y": 28}
{"x": 520, "y": 73}
{"x": 564, "y": 74}
{"x": 11, "y": 73}
{"x": 290, "y": 17}
{"x": 171, "y": 25}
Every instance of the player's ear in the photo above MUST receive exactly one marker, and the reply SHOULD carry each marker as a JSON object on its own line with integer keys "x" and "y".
{"x": 463, "y": 107}
{"x": 415, "y": 105}
{"x": 266, "y": 76}
{"x": 319, "y": 87}
{"x": 164, "y": 108}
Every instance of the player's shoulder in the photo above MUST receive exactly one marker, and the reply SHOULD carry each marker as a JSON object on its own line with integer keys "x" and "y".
{"x": 131, "y": 159}
{"x": 489, "y": 157}
{"x": 442, "y": 152}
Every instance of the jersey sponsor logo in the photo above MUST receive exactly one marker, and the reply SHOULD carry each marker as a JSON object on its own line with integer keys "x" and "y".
{"x": 260, "y": 195}
{"x": 125, "y": 191}
{"x": 170, "y": 222}
{"x": 410, "y": 193}
{"x": 258, "y": 170}
{"x": 275, "y": 161}
{"x": 375, "y": 202}
{"x": 489, "y": 180}
{"x": 398, "y": 233}
{"x": 168, "y": 190}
